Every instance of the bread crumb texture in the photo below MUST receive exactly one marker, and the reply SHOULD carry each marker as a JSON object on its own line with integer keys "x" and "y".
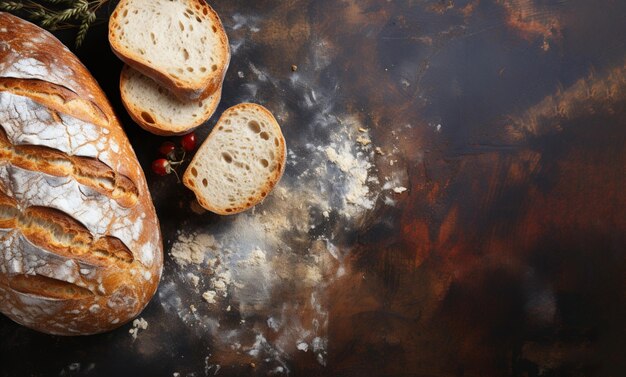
{"x": 180, "y": 43}
{"x": 240, "y": 162}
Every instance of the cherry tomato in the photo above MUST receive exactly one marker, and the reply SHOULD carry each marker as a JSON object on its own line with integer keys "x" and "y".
{"x": 161, "y": 167}
{"x": 167, "y": 149}
{"x": 189, "y": 142}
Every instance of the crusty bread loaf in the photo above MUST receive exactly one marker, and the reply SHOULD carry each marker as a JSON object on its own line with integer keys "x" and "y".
{"x": 179, "y": 43}
{"x": 157, "y": 110}
{"x": 81, "y": 247}
{"x": 240, "y": 162}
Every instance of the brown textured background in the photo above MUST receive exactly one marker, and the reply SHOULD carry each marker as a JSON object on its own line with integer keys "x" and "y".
{"x": 507, "y": 256}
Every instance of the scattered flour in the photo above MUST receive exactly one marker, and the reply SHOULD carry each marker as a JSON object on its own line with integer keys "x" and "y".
{"x": 363, "y": 140}
{"x": 138, "y": 324}
{"x": 241, "y": 261}
{"x": 302, "y": 346}
{"x": 266, "y": 272}
{"x": 356, "y": 170}
{"x": 191, "y": 248}
{"x": 209, "y": 296}
{"x": 194, "y": 279}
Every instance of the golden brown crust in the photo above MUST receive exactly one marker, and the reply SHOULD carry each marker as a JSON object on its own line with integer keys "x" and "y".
{"x": 57, "y": 98}
{"x": 163, "y": 129}
{"x": 22, "y": 44}
{"x": 281, "y": 156}
{"x": 84, "y": 250}
{"x": 183, "y": 91}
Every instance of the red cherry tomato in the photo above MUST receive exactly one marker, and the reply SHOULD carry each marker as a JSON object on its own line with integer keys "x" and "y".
{"x": 167, "y": 149}
{"x": 161, "y": 167}
{"x": 189, "y": 142}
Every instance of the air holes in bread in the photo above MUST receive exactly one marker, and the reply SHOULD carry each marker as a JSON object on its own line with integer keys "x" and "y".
{"x": 181, "y": 26}
{"x": 185, "y": 54}
{"x": 205, "y": 183}
{"x": 147, "y": 117}
{"x": 276, "y": 142}
{"x": 254, "y": 126}
{"x": 214, "y": 29}
{"x": 202, "y": 69}
{"x": 242, "y": 167}
{"x": 194, "y": 172}
{"x": 153, "y": 37}
{"x": 214, "y": 68}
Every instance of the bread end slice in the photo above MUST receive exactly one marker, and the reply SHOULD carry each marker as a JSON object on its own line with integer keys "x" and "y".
{"x": 240, "y": 162}
{"x": 181, "y": 44}
{"x": 157, "y": 110}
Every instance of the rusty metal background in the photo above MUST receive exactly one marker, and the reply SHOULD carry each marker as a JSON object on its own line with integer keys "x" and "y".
{"x": 506, "y": 256}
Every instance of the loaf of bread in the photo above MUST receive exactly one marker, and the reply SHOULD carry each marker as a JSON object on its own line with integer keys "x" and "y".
{"x": 240, "y": 162}
{"x": 179, "y": 43}
{"x": 81, "y": 246}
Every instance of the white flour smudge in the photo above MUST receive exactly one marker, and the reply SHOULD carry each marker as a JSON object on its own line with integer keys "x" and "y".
{"x": 270, "y": 267}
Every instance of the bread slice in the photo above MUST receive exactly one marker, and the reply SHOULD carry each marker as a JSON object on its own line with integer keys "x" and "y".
{"x": 240, "y": 162}
{"x": 179, "y": 43}
{"x": 157, "y": 110}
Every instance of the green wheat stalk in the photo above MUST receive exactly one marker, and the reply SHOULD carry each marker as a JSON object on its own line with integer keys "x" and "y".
{"x": 58, "y": 14}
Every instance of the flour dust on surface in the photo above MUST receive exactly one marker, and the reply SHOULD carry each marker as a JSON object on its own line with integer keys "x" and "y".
{"x": 256, "y": 283}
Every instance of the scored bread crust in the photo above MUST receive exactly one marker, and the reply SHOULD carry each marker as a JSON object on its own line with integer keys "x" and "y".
{"x": 160, "y": 126}
{"x": 81, "y": 245}
{"x": 25, "y": 52}
{"x": 184, "y": 91}
{"x": 262, "y": 192}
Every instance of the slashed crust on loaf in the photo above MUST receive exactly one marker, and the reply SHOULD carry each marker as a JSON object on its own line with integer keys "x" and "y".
{"x": 26, "y": 53}
{"x": 81, "y": 248}
{"x": 57, "y": 98}
{"x": 179, "y": 43}
{"x": 240, "y": 162}
{"x": 157, "y": 110}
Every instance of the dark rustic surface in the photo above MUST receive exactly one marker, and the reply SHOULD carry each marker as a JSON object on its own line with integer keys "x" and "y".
{"x": 507, "y": 254}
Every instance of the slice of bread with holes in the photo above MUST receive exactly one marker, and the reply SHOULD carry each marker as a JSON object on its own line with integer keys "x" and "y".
{"x": 179, "y": 43}
{"x": 240, "y": 162}
{"x": 157, "y": 110}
